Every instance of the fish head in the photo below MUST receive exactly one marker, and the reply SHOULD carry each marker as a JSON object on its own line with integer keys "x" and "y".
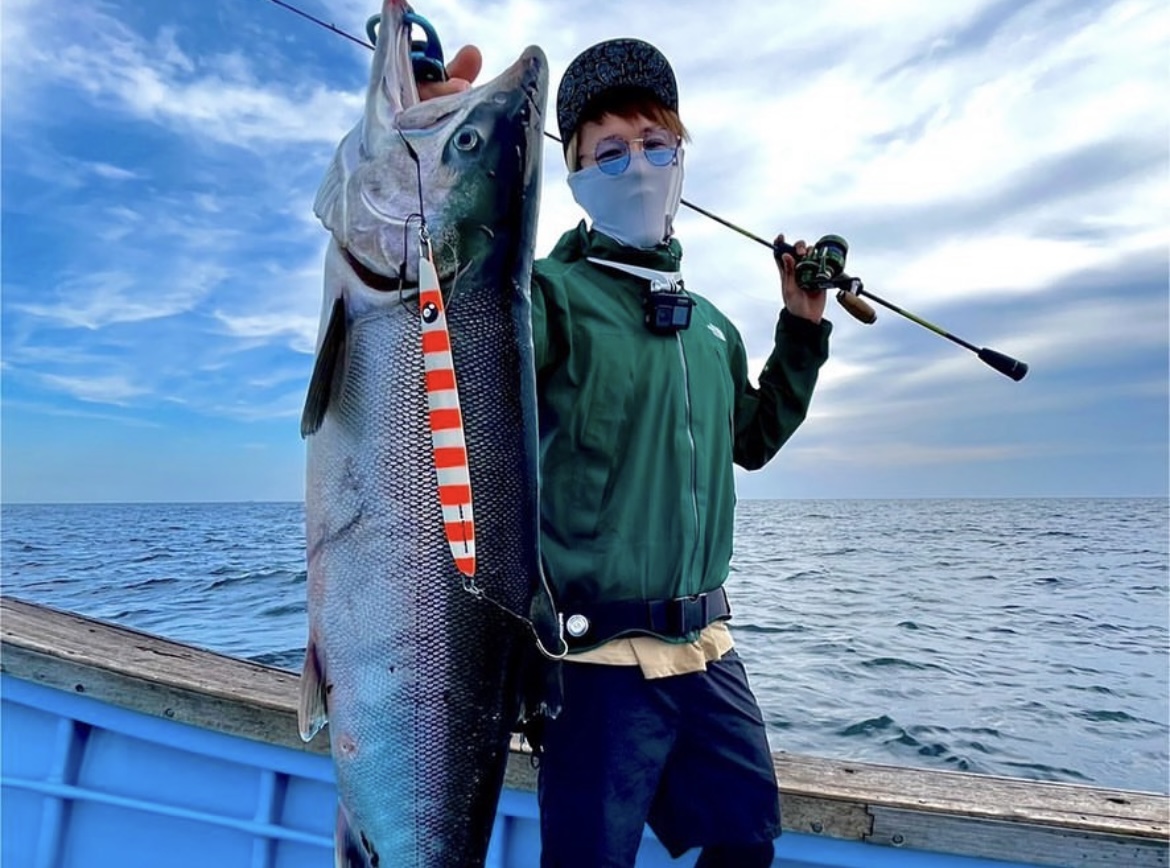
{"x": 459, "y": 164}
{"x": 484, "y": 170}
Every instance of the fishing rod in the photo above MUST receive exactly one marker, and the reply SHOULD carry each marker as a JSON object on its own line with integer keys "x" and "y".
{"x": 849, "y": 295}
{"x": 820, "y": 269}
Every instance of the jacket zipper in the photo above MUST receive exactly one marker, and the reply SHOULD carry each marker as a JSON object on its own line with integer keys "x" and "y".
{"x": 672, "y": 280}
{"x": 691, "y": 440}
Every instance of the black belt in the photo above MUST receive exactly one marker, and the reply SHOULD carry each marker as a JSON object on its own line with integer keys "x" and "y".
{"x": 586, "y": 626}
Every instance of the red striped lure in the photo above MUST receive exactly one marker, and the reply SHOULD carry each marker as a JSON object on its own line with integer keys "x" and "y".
{"x": 448, "y": 443}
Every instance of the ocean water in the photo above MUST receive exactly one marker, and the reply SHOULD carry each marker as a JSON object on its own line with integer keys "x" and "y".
{"x": 1020, "y": 637}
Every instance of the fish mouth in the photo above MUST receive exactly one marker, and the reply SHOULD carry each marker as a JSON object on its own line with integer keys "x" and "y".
{"x": 529, "y": 76}
{"x": 534, "y": 75}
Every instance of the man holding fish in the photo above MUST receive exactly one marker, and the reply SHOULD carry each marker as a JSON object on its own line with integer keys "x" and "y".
{"x": 644, "y": 406}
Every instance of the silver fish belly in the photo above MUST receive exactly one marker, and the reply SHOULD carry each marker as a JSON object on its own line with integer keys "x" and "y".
{"x": 419, "y": 678}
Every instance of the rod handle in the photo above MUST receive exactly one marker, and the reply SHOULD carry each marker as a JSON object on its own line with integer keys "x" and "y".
{"x": 857, "y": 307}
{"x": 1006, "y": 365}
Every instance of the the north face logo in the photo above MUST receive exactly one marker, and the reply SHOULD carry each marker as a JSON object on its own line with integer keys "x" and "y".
{"x": 718, "y": 332}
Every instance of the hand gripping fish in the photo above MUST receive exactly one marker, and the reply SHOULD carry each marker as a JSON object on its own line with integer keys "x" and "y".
{"x": 418, "y": 661}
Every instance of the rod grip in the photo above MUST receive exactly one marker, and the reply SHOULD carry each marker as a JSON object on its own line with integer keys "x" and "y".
{"x": 1006, "y": 365}
{"x": 857, "y": 306}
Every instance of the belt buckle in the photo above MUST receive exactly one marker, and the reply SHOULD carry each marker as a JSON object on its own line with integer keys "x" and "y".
{"x": 687, "y": 613}
{"x": 701, "y": 606}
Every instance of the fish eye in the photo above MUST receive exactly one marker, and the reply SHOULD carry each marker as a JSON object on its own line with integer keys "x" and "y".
{"x": 466, "y": 139}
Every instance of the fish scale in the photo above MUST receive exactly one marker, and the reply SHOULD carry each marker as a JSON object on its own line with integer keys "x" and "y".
{"x": 417, "y": 667}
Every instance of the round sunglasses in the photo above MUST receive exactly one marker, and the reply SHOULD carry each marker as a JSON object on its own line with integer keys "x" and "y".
{"x": 659, "y": 147}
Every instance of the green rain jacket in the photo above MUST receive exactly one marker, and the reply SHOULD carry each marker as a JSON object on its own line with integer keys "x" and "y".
{"x": 638, "y": 431}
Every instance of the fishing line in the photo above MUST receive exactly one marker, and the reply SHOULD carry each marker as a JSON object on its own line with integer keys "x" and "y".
{"x": 418, "y": 171}
{"x": 402, "y": 269}
{"x": 424, "y": 235}
{"x": 331, "y": 27}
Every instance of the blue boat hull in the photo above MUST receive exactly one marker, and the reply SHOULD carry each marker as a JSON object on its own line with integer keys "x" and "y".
{"x": 119, "y": 749}
{"x": 87, "y": 784}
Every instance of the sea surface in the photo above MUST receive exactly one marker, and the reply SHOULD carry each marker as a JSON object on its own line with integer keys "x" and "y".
{"x": 1021, "y": 637}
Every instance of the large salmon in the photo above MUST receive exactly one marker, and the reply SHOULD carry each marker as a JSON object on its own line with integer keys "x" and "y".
{"x": 416, "y": 663}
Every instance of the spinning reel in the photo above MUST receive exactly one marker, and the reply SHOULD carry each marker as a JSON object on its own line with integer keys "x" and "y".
{"x": 823, "y": 268}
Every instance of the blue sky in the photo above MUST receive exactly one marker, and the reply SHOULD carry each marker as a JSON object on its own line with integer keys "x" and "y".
{"x": 999, "y": 168}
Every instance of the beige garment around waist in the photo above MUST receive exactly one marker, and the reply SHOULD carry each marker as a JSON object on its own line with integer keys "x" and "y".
{"x": 659, "y": 658}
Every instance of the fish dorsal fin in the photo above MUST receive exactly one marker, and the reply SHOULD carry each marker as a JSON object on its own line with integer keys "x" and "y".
{"x": 448, "y": 443}
{"x": 330, "y": 357}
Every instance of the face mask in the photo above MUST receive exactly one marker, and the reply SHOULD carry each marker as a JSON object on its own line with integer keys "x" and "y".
{"x": 636, "y": 207}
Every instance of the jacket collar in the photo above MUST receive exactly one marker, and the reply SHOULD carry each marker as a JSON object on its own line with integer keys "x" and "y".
{"x": 582, "y": 243}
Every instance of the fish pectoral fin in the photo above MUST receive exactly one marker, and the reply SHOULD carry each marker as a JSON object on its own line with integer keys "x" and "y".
{"x": 540, "y": 685}
{"x": 311, "y": 711}
{"x": 330, "y": 357}
{"x": 541, "y": 696}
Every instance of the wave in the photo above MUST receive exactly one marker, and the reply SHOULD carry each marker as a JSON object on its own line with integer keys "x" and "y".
{"x": 153, "y": 556}
{"x": 280, "y": 611}
{"x": 900, "y": 663}
{"x": 1104, "y": 716}
{"x": 233, "y": 577}
{"x": 289, "y": 659}
{"x": 145, "y": 584}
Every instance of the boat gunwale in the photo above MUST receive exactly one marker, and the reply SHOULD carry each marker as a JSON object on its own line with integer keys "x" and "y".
{"x": 833, "y": 797}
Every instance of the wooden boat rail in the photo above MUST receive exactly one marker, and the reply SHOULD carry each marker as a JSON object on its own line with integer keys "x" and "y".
{"x": 993, "y": 817}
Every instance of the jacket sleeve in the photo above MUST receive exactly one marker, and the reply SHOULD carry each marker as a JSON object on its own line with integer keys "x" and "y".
{"x": 767, "y": 416}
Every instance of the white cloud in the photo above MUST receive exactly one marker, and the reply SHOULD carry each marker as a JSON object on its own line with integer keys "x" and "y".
{"x": 51, "y": 410}
{"x": 1093, "y": 332}
{"x": 288, "y": 405}
{"x": 96, "y": 300}
{"x": 112, "y": 173}
{"x": 289, "y": 309}
{"x": 214, "y": 96}
{"x": 110, "y": 389}
{"x": 848, "y": 139}
{"x": 302, "y": 329}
